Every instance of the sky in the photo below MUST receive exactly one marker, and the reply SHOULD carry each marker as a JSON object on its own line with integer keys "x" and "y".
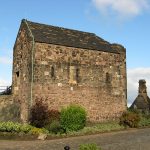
{"x": 125, "y": 22}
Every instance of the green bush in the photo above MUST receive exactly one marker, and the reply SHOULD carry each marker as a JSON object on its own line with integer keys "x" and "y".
{"x": 25, "y": 128}
{"x": 9, "y": 127}
{"x": 35, "y": 130}
{"x": 73, "y": 118}
{"x": 18, "y": 128}
{"x": 130, "y": 119}
{"x": 53, "y": 115}
{"x": 54, "y": 127}
{"x": 89, "y": 147}
{"x": 144, "y": 120}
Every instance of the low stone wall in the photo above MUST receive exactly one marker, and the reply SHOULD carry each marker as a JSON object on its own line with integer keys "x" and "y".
{"x": 9, "y": 108}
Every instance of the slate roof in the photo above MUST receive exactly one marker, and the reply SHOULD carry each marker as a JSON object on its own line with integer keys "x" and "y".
{"x": 140, "y": 103}
{"x": 61, "y": 36}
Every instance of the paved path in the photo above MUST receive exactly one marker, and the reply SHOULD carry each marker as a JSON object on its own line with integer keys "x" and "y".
{"x": 123, "y": 140}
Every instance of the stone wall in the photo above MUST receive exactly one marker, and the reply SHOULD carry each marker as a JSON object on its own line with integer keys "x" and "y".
{"x": 94, "y": 79}
{"x": 9, "y": 109}
{"x": 21, "y": 77}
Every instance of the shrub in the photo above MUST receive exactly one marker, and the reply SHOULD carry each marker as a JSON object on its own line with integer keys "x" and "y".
{"x": 35, "y": 130}
{"x": 130, "y": 119}
{"x": 144, "y": 120}
{"x": 54, "y": 115}
{"x": 54, "y": 127}
{"x": 25, "y": 128}
{"x": 18, "y": 127}
{"x": 9, "y": 127}
{"x": 73, "y": 118}
{"x": 89, "y": 147}
{"x": 39, "y": 114}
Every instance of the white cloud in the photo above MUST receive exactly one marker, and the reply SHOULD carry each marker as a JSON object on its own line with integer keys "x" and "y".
{"x": 121, "y": 8}
{"x": 3, "y": 84}
{"x": 5, "y": 60}
{"x": 133, "y": 77}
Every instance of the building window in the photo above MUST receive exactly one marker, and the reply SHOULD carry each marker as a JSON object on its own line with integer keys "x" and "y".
{"x": 52, "y": 72}
{"x": 119, "y": 71}
{"x": 17, "y": 78}
{"x": 77, "y": 74}
{"x": 108, "y": 77}
{"x": 17, "y": 74}
{"x": 73, "y": 75}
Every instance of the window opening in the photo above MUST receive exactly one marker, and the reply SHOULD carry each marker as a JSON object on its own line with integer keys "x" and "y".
{"x": 17, "y": 80}
{"x": 119, "y": 72}
{"x": 73, "y": 75}
{"x": 108, "y": 77}
{"x": 17, "y": 74}
{"x": 77, "y": 74}
{"x": 52, "y": 72}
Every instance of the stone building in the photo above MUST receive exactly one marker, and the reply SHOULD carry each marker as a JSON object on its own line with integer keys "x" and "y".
{"x": 142, "y": 101}
{"x": 64, "y": 67}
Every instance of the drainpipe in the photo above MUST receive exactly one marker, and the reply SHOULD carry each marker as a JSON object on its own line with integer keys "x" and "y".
{"x": 32, "y": 64}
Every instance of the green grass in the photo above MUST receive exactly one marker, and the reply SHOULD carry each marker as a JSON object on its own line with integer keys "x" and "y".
{"x": 89, "y": 147}
{"x": 102, "y": 127}
{"x": 144, "y": 122}
{"x": 97, "y": 128}
{"x": 16, "y": 128}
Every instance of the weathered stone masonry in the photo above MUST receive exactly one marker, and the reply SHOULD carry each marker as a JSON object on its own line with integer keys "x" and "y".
{"x": 69, "y": 67}
{"x": 9, "y": 108}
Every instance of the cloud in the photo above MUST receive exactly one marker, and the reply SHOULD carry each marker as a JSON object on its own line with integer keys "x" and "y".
{"x": 121, "y": 8}
{"x": 3, "y": 84}
{"x": 5, "y": 60}
{"x": 133, "y": 77}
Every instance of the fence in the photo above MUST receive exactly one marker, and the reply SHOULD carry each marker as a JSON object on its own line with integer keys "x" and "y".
{"x": 5, "y": 90}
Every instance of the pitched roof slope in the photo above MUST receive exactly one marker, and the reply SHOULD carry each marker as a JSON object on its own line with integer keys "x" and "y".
{"x": 61, "y": 36}
{"x": 141, "y": 103}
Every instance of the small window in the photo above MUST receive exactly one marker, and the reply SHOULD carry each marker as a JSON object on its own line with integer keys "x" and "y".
{"x": 119, "y": 71}
{"x": 17, "y": 79}
{"x": 108, "y": 77}
{"x": 77, "y": 74}
{"x": 17, "y": 74}
{"x": 52, "y": 72}
{"x": 73, "y": 75}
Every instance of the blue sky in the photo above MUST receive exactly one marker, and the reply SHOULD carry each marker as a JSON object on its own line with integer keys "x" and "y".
{"x": 118, "y": 21}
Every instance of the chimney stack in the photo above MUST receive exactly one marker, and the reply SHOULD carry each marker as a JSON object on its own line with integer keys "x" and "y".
{"x": 142, "y": 101}
{"x": 143, "y": 89}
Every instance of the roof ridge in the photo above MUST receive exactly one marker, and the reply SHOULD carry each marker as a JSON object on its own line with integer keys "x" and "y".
{"x": 51, "y": 34}
{"x": 55, "y": 26}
